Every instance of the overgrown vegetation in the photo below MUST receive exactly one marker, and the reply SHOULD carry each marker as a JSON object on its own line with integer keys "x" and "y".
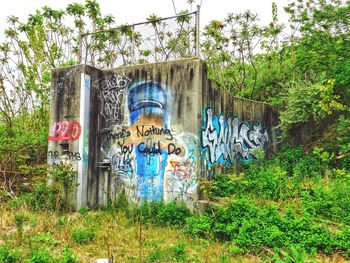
{"x": 292, "y": 208}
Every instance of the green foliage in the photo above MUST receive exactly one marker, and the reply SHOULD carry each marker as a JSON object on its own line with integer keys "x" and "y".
{"x": 19, "y": 221}
{"x": 45, "y": 239}
{"x": 8, "y": 255}
{"x": 43, "y": 197}
{"x": 306, "y": 101}
{"x": 223, "y": 185}
{"x": 49, "y": 197}
{"x": 84, "y": 210}
{"x": 63, "y": 176}
{"x": 68, "y": 256}
{"x": 295, "y": 254}
{"x": 286, "y": 202}
{"x": 174, "y": 253}
{"x": 164, "y": 214}
{"x": 83, "y": 236}
{"x": 199, "y": 226}
{"x": 40, "y": 255}
{"x": 343, "y": 133}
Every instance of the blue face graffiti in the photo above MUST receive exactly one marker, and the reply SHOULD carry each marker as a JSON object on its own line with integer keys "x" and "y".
{"x": 223, "y": 140}
{"x": 147, "y": 103}
{"x": 149, "y": 159}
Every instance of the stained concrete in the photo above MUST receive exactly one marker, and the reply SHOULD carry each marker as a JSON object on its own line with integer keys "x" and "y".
{"x": 151, "y": 131}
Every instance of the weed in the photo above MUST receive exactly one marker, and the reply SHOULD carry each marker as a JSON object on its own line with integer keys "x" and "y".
{"x": 40, "y": 255}
{"x": 19, "y": 221}
{"x": 84, "y": 210}
{"x": 7, "y": 255}
{"x": 294, "y": 254}
{"x": 83, "y": 236}
{"x": 68, "y": 256}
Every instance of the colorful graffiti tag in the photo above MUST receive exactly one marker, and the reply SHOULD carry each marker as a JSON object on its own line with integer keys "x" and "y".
{"x": 223, "y": 140}
{"x": 65, "y": 130}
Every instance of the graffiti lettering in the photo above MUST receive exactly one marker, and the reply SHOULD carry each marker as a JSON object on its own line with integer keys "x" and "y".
{"x": 225, "y": 139}
{"x": 122, "y": 163}
{"x": 57, "y": 163}
{"x": 182, "y": 170}
{"x": 125, "y": 148}
{"x": 65, "y": 130}
{"x": 149, "y": 148}
{"x": 117, "y": 135}
{"x": 113, "y": 87}
{"x": 54, "y": 155}
{"x": 173, "y": 149}
{"x": 152, "y": 130}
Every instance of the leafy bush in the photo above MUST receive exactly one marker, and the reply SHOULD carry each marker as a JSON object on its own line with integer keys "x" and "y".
{"x": 49, "y": 197}
{"x": 294, "y": 254}
{"x": 7, "y": 255}
{"x": 223, "y": 185}
{"x": 45, "y": 239}
{"x": 174, "y": 253}
{"x": 279, "y": 203}
{"x": 43, "y": 198}
{"x": 309, "y": 100}
{"x": 199, "y": 226}
{"x": 84, "y": 210}
{"x": 83, "y": 236}
{"x": 40, "y": 255}
{"x": 164, "y": 214}
{"x": 68, "y": 256}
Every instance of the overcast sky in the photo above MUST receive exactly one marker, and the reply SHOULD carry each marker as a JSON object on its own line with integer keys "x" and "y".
{"x": 133, "y": 11}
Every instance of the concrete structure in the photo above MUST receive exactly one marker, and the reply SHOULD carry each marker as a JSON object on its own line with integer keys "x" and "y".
{"x": 151, "y": 129}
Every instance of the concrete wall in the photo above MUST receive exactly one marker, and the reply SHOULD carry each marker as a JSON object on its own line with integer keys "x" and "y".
{"x": 233, "y": 128}
{"x": 151, "y": 130}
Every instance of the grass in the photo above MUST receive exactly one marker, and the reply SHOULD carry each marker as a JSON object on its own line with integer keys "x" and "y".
{"x": 292, "y": 208}
{"x": 116, "y": 236}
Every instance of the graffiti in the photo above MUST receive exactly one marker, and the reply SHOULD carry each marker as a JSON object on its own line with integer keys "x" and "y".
{"x": 147, "y": 103}
{"x": 113, "y": 87}
{"x": 181, "y": 173}
{"x": 122, "y": 163}
{"x": 115, "y": 136}
{"x": 148, "y": 159}
{"x": 150, "y": 147}
{"x": 225, "y": 139}
{"x": 152, "y": 130}
{"x": 184, "y": 168}
{"x": 65, "y": 130}
{"x": 54, "y": 155}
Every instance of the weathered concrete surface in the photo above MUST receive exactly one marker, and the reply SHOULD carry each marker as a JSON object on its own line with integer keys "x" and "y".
{"x": 151, "y": 130}
{"x": 247, "y": 127}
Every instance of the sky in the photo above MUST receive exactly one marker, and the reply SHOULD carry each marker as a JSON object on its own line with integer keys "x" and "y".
{"x": 133, "y": 11}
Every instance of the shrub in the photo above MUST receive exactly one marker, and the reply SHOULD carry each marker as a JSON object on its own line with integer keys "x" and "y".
{"x": 40, "y": 255}
{"x": 83, "y": 210}
{"x": 19, "y": 221}
{"x": 68, "y": 256}
{"x": 83, "y": 236}
{"x": 45, "y": 239}
{"x": 199, "y": 226}
{"x": 164, "y": 214}
{"x": 174, "y": 253}
{"x": 43, "y": 198}
{"x": 7, "y": 255}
